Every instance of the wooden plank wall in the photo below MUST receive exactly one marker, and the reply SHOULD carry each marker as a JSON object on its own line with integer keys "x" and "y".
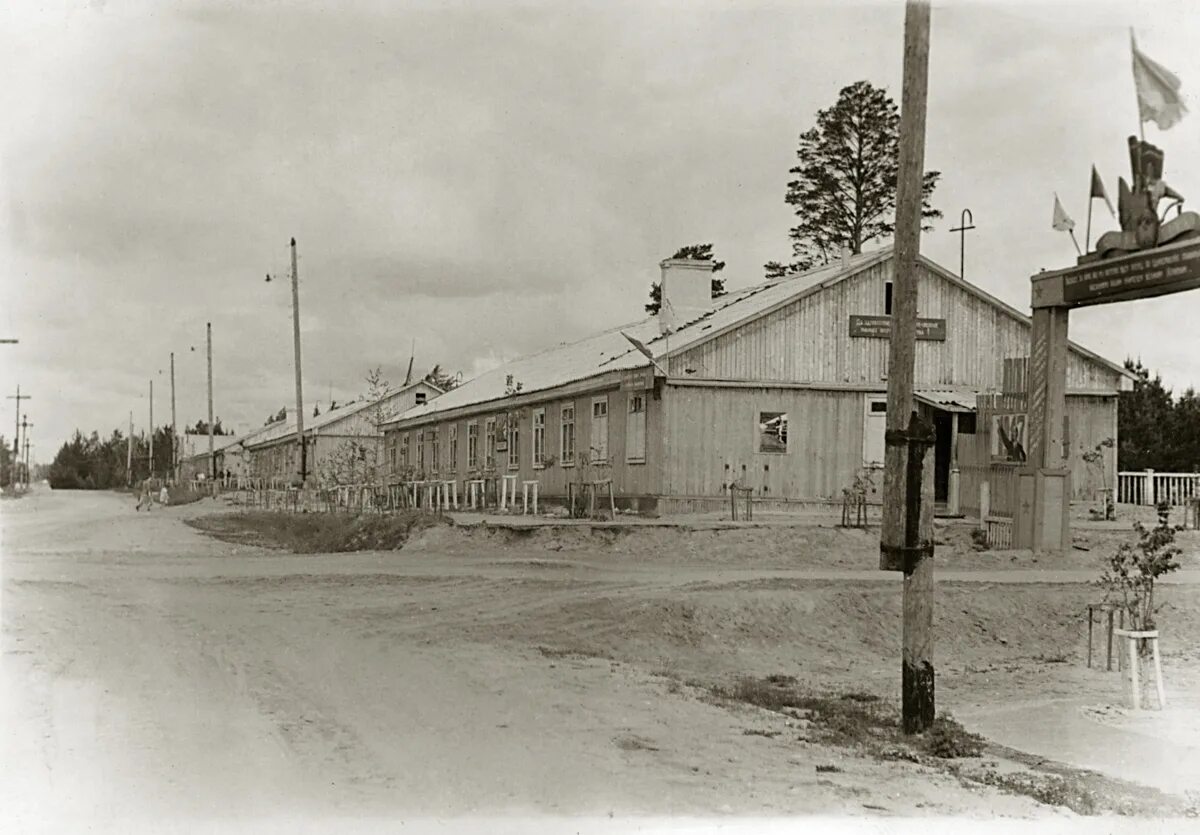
{"x": 711, "y": 437}
{"x": 629, "y": 478}
{"x": 809, "y": 341}
{"x": 1089, "y": 419}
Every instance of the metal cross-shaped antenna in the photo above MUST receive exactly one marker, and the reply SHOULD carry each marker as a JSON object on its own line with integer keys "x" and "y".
{"x": 964, "y": 219}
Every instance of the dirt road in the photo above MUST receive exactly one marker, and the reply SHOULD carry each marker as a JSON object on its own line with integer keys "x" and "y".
{"x": 151, "y": 672}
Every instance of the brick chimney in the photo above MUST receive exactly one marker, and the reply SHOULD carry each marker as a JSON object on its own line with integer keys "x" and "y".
{"x": 686, "y": 291}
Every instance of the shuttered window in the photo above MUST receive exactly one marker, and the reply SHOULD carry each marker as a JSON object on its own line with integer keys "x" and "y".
{"x": 453, "y": 444}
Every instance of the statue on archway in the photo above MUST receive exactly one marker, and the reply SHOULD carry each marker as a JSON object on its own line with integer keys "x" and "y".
{"x": 1142, "y": 227}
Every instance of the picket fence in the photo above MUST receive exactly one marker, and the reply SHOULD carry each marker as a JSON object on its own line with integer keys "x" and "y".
{"x": 1148, "y": 487}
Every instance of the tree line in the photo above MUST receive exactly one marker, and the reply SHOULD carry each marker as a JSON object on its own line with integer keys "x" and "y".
{"x": 1156, "y": 429}
{"x": 94, "y": 463}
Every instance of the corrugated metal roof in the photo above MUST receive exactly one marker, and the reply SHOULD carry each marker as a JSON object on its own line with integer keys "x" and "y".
{"x": 284, "y": 428}
{"x": 956, "y": 400}
{"x": 610, "y": 351}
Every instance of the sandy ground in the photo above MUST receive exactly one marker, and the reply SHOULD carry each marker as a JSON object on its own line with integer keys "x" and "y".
{"x": 152, "y": 674}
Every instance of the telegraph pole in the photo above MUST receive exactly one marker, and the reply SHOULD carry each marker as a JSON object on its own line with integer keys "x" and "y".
{"x": 150, "y": 454}
{"x": 907, "y": 539}
{"x": 299, "y": 389}
{"x": 174, "y": 434}
{"x": 211, "y": 458}
{"x": 25, "y": 424}
{"x": 17, "y": 432}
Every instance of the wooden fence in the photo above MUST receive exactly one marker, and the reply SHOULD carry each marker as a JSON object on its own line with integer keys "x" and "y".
{"x": 1148, "y": 487}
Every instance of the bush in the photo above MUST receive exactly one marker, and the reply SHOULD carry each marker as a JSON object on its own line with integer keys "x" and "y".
{"x": 948, "y": 739}
{"x": 979, "y": 539}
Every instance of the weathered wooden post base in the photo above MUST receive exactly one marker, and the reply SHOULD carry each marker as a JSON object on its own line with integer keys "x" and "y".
{"x": 915, "y": 559}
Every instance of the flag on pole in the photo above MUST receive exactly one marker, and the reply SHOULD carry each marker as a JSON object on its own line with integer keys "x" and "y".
{"x": 1098, "y": 191}
{"x": 1159, "y": 99}
{"x": 1062, "y": 222}
{"x": 646, "y": 352}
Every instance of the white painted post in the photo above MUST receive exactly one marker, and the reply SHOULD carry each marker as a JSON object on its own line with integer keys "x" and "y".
{"x": 1148, "y": 488}
{"x": 985, "y": 501}
{"x": 953, "y": 491}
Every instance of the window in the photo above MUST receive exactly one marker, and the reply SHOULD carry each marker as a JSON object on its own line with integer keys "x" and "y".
{"x": 566, "y": 436}
{"x": 420, "y": 398}
{"x": 473, "y": 445}
{"x": 390, "y": 450}
{"x": 635, "y": 429}
{"x": 453, "y": 444}
{"x": 599, "y": 430}
{"x": 489, "y": 443}
{"x": 435, "y": 457}
{"x": 874, "y": 425}
{"x": 887, "y": 298}
{"x": 772, "y": 432}
{"x": 514, "y": 440}
{"x": 404, "y": 450}
{"x": 421, "y": 451}
{"x": 539, "y": 438}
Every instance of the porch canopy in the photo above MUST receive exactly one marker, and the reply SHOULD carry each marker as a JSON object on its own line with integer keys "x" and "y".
{"x": 948, "y": 401}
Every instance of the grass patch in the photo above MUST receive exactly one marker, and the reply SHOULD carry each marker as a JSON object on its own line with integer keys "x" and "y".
{"x": 317, "y": 533}
{"x": 871, "y": 726}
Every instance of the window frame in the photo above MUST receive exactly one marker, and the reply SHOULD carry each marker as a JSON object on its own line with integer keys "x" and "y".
{"x": 537, "y": 446}
{"x": 452, "y": 446}
{"x": 489, "y": 443}
{"x": 513, "y": 441}
{"x": 592, "y": 449}
{"x": 566, "y": 418}
{"x": 635, "y": 398}
{"x": 473, "y": 446}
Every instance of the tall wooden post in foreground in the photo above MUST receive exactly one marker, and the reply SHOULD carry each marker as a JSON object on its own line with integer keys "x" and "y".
{"x": 907, "y": 541}
{"x": 299, "y": 387}
{"x": 150, "y": 454}
{"x": 174, "y": 431}
{"x": 211, "y": 458}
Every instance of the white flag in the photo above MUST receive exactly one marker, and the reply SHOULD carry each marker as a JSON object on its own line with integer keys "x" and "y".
{"x": 1159, "y": 99}
{"x": 1062, "y": 222}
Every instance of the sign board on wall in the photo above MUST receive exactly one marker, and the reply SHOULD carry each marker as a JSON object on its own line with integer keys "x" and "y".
{"x": 1009, "y": 440}
{"x": 880, "y": 327}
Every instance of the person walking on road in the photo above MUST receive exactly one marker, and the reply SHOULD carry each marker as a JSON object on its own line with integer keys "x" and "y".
{"x": 145, "y": 497}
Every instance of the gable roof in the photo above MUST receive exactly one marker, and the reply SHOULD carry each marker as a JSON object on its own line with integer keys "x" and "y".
{"x": 610, "y": 351}
{"x": 286, "y": 429}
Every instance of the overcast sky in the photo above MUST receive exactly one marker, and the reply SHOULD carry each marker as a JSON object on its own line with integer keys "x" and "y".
{"x": 489, "y": 178}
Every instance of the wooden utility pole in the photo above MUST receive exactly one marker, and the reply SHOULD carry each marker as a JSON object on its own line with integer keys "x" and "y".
{"x": 25, "y": 424}
{"x": 150, "y": 454}
{"x": 907, "y": 541}
{"x": 129, "y": 451}
{"x": 212, "y": 460}
{"x": 12, "y": 479}
{"x": 174, "y": 433}
{"x": 299, "y": 388}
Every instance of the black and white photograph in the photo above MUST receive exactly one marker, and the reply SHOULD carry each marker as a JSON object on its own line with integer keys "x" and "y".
{"x": 514, "y": 416}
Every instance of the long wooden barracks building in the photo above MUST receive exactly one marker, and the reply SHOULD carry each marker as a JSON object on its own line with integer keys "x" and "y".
{"x": 780, "y": 387}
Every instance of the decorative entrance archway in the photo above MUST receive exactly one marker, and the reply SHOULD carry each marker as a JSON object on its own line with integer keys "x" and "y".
{"x": 1146, "y": 258}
